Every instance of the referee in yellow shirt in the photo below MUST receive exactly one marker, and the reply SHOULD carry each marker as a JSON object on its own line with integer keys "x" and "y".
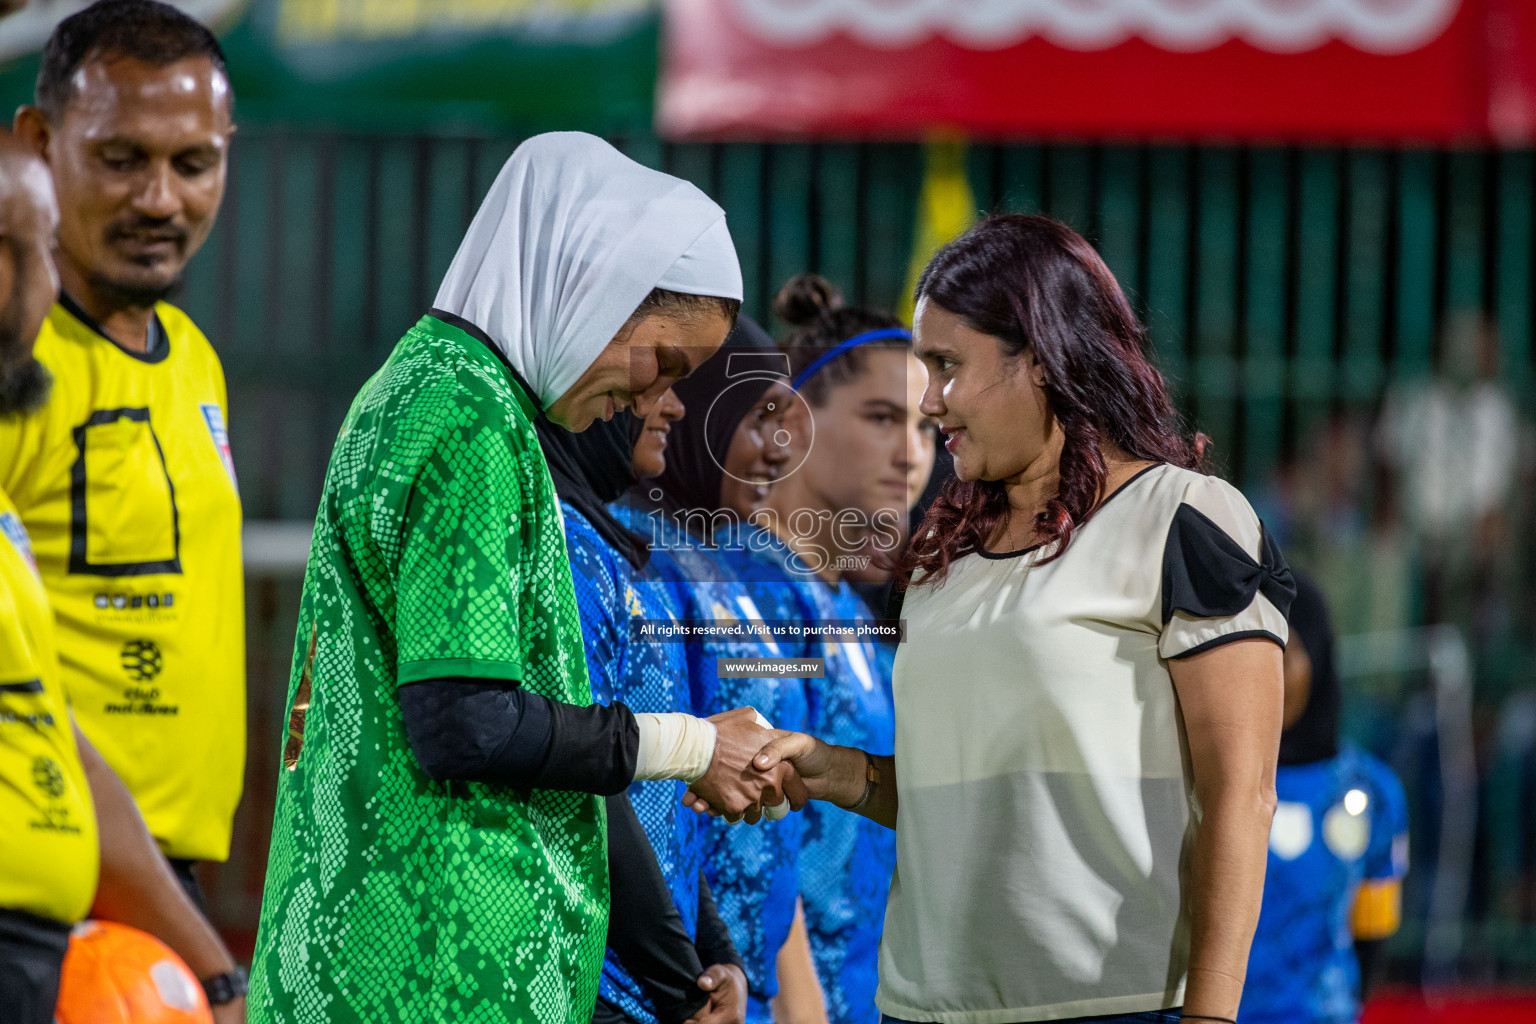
{"x": 124, "y": 479}
{"x": 71, "y": 840}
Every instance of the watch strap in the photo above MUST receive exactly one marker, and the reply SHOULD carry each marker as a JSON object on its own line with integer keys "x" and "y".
{"x": 226, "y": 987}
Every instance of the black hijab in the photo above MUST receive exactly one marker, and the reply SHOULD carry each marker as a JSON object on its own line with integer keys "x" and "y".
{"x": 592, "y": 468}
{"x": 717, "y": 398}
{"x": 1315, "y": 736}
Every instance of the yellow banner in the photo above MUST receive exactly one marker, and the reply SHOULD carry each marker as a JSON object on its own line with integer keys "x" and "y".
{"x": 945, "y": 209}
{"x": 329, "y": 21}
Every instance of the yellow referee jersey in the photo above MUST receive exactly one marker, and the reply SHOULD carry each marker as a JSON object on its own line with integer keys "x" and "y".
{"x": 47, "y": 821}
{"x": 125, "y": 483}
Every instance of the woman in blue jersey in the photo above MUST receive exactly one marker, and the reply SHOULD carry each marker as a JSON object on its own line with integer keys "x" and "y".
{"x": 670, "y": 958}
{"x": 719, "y": 464}
{"x": 1338, "y": 848}
{"x": 859, "y": 454}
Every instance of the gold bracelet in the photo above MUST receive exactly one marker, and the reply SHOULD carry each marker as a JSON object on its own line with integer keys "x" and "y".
{"x": 871, "y": 780}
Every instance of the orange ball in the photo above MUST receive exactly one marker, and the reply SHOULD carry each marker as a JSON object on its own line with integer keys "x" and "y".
{"x": 114, "y": 974}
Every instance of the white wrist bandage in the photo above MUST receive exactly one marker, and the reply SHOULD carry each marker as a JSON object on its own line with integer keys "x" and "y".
{"x": 673, "y": 746}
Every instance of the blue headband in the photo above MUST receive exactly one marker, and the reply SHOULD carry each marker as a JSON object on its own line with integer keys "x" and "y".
{"x": 843, "y": 346}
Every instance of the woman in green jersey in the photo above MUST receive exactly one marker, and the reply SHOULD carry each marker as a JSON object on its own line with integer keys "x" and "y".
{"x": 438, "y": 852}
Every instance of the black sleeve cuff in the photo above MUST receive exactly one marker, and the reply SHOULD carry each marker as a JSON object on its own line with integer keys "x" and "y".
{"x": 1227, "y": 638}
{"x": 478, "y": 730}
{"x": 592, "y": 749}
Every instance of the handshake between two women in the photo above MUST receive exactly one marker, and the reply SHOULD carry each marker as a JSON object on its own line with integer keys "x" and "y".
{"x": 757, "y": 771}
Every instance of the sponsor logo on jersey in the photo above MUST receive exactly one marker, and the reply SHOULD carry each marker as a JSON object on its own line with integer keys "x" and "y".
{"x": 123, "y": 602}
{"x": 10, "y": 525}
{"x": 142, "y": 660}
{"x": 214, "y": 417}
{"x": 40, "y": 720}
{"x": 48, "y": 777}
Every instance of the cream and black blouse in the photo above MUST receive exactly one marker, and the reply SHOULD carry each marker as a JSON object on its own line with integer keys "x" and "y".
{"x": 1047, "y": 806}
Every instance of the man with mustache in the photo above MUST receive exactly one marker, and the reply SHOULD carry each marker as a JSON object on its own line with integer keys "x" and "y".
{"x": 124, "y": 479}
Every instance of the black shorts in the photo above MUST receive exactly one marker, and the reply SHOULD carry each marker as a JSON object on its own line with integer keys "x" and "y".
{"x": 31, "y": 958}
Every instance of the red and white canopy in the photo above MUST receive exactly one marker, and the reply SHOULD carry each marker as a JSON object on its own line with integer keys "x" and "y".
{"x": 1432, "y": 71}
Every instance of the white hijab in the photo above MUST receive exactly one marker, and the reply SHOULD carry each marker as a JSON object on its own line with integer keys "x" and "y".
{"x": 570, "y": 239}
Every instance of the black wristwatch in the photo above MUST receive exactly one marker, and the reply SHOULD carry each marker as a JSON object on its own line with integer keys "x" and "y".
{"x": 226, "y": 987}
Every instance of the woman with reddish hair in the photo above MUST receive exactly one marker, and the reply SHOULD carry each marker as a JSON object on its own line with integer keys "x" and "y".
{"x": 1088, "y": 700}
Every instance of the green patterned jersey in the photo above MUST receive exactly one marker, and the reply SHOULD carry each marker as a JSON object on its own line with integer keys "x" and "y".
{"x": 438, "y": 551}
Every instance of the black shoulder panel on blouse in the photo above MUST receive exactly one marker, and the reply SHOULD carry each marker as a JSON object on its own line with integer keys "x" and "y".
{"x": 1208, "y": 575}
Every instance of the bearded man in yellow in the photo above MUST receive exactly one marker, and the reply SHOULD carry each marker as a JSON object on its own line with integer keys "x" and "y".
{"x": 124, "y": 480}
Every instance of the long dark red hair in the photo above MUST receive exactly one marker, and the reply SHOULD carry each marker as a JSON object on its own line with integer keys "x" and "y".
{"x": 1035, "y": 284}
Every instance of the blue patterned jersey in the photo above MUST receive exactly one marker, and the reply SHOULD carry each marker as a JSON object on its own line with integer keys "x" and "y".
{"x": 1339, "y": 823}
{"x": 645, "y": 677}
{"x": 751, "y": 869}
{"x": 846, "y": 860}
{"x": 759, "y": 867}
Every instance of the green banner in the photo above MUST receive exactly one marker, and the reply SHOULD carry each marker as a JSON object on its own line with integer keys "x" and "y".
{"x": 411, "y": 65}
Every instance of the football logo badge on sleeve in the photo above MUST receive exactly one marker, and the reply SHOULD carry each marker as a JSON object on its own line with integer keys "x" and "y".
{"x": 214, "y": 417}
